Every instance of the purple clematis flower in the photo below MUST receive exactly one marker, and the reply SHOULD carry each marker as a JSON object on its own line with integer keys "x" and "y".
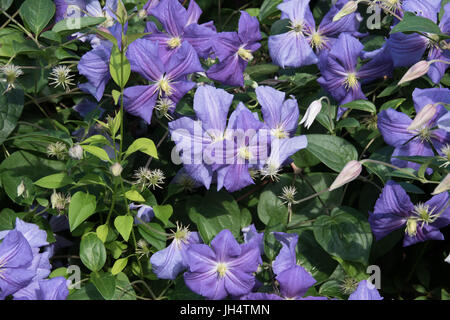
{"x": 87, "y": 8}
{"x": 232, "y": 149}
{"x": 394, "y": 210}
{"x": 225, "y": 268}
{"x": 280, "y": 115}
{"x": 168, "y": 82}
{"x": 145, "y": 213}
{"x": 180, "y": 25}
{"x": 420, "y": 142}
{"x": 365, "y": 291}
{"x": 234, "y": 51}
{"x": 293, "y": 279}
{"x": 53, "y": 289}
{"x": 444, "y": 122}
{"x": 15, "y": 260}
{"x": 169, "y": 262}
{"x": 295, "y": 48}
{"x": 407, "y": 49}
{"x": 340, "y": 75}
{"x": 253, "y": 237}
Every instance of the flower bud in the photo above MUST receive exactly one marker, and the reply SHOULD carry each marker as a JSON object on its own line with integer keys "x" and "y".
{"x": 347, "y": 9}
{"x": 422, "y": 118}
{"x": 416, "y": 71}
{"x": 76, "y": 152}
{"x": 21, "y": 189}
{"x": 350, "y": 172}
{"x": 443, "y": 186}
{"x": 311, "y": 113}
{"x": 116, "y": 169}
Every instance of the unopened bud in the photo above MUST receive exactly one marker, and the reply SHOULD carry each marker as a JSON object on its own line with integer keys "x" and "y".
{"x": 76, "y": 152}
{"x": 116, "y": 169}
{"x": 443, "y": 186}
{"x": 350, "y": 172}
{"x": 311, "y": 113}
{"x": 21, "y": 189}
{"x": 422, "y": 118}
{"x": 347, "y": 9}
{"x": 416, "y": 71}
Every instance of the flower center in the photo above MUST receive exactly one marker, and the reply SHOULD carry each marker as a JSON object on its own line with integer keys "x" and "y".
{"x": 297, "y": 27}
{"x": 351, "y": 82}
{"x": 221, "y": 269}
{"x": 446, "y": 155}
{"x": 423, "y": 214}
{"x": 174, "y": 43}
{"x": 424, "y": 134}
{"x": 164, "y": 86}
{"x": 245, "y": 153}
{"x": 164, "y": 106}
{"x": 245, "y": 53}
{"x": 411, "y": 227}
{"x": 317, "y": 41}
{"x": 278, "y": 133}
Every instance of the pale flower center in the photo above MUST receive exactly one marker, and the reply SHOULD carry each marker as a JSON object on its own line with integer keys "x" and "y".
{"x": 174, "y": 43}
{"x": 351, "y": 81}
{"x": 164, "y": 86}
{"x": 245, "y": 153}
{"x": 245, "y": 53}
{"x": 221, "y": 269}
{"x": 278, "y": 133}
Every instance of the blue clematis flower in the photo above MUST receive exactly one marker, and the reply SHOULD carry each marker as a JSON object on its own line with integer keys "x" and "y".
{"x": 394, "y": 210}
{"x": 87, "y": 8}
{"x": 145, "y": 213}
{"x": 225, "y": 268}
{"x": 365, "y": 291}
{"x": 16, "y": 257}
{"x": 168, "y": 80}
{"x": 296, "y": 47}
{"x": 340, "y": 75}
{"x": 418, "y": 142}
{"x": 169, "y": 262}
{"x": 179, "y": 25}
{"x": 407, "y": 49}
{"x": 234, "y": 51}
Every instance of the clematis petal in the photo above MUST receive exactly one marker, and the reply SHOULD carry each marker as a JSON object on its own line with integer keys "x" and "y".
{"x": 291, "y": 50}
{"x": 365, "y": 291}
{"x": 140, "y": 101}
{"x": 144, "y": 59}
{"x": 294, "y": 282}
{"x": 392, "y": 125}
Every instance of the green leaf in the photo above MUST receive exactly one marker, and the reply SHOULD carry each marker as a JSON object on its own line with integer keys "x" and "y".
{"x": 102, "y": 232}
{"x": 333, "y": 151}
{"x": 77, "y": 23}
{"x": 54, "y": 181}
{"x": 11, "y": 106}
{"x": 134, "y": 195}
{"x": 116, "y": 96}
{"x": 124, "y": 224}
{"x": 268, "y": 8}
{"x": 96, "y": 139}
{"x": 345, "y": 234}
{"x": 81, "y": 207}
{"x": 362, "y": 105}
{"x": 213, "y": 213}
{"x": 271, "y": 208}
{"x": 156, "y": 239}
{"x": 394, "y": 104}
{"x": 144, "y": 145}
{"x": 415, "y": 23}
{"x": 98, "y": 152}
{"x": 118, "y": 62}
{"x": 92, "y": 252}
{"x": 105, "y": 283}
{"x": 37, "y": 14}
{"x": 348, "y": 123}
{"x": 163, "y": 213}
{"x": 5, "y": 4}
{"x": 119, "y": 265}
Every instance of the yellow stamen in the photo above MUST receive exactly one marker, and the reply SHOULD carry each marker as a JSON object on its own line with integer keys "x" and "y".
{"x": 174, "y": 43}
{"x": 351, "y": 81}
{"x": 164, "y": 86}
{"x": 245, "y": 153}
{"x": 245, "y": 54}
{"x": 278, "y": 133}
{"x": 317, "y": 41}
{"x": 221, "y": 269}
